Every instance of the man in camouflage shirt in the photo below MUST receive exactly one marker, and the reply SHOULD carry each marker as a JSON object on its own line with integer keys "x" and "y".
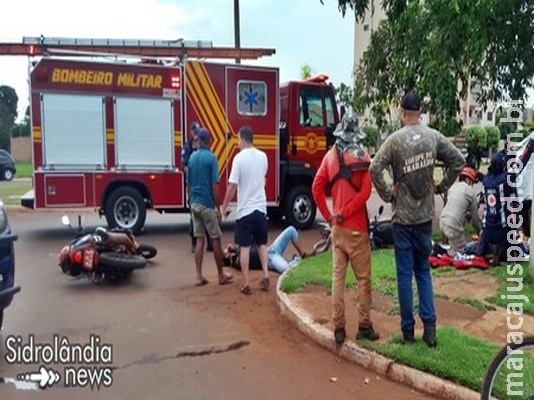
{"x": 411, "y": 153}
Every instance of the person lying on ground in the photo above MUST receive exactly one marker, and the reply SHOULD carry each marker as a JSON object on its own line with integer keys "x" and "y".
{"x": 275, "y": 253}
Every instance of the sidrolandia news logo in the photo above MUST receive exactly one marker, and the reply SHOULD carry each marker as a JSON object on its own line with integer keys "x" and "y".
{"x": 82, "y": 365}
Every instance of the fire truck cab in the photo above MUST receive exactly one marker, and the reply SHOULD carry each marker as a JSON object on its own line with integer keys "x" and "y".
{"x": 108, "y": 135}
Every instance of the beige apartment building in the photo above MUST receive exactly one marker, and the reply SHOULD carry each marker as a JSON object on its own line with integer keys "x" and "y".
{"x": 471, "y": 112}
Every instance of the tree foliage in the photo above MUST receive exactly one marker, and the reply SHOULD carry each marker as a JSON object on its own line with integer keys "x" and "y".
{"x": 305, "y": 71}
{"x": 8, "y": 114}
{"x": 493, "y": 135}
{"x": 371, "y": 136}
{"x": 23, "y": 128}
{"x": 439, "y": 49}
{"x": 477, "y": 137}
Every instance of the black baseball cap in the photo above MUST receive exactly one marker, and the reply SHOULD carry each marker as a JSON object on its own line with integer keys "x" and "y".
{"x": 411, "y": 102}
{"x": 203, "y": 135}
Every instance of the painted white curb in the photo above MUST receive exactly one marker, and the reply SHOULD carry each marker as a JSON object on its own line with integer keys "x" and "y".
{"x": 421, "y": 381}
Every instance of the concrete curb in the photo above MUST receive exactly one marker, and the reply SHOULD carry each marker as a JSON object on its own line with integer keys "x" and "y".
{"x": 421, "y": 381}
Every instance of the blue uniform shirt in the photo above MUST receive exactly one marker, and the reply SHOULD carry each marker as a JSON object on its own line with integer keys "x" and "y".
{"x": 203, "y": 172}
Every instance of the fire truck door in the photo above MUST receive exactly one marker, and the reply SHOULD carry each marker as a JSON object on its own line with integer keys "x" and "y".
{"x": 252, "y": 100}
{"x": 316, "y": 123}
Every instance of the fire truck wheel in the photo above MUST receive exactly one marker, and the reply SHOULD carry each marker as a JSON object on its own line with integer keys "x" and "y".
{"x": 125, "y": 209}
{"x": 300, "y": 207}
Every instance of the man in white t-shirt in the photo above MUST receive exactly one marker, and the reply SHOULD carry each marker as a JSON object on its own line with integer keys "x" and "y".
{"x": 247, "y": 177}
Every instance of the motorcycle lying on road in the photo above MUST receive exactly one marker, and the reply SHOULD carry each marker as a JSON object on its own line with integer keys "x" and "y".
{"x": 103, "y": 254}
{"x": 380, "y": 234}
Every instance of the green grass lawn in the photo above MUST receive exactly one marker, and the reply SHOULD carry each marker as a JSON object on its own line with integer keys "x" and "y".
{"x": 10, "y": 192}
{"x": 459, "y": 357}
{"x": 24, "y": 170}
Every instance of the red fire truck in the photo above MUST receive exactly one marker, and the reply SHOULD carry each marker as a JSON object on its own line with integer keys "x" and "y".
{"x": 109, "y": 134}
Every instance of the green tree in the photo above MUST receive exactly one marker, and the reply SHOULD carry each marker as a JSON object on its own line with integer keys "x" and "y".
{"x": 344, "y": 95}
{"x": 305, "y": 71}
{"x": 24, "y": 127}
{"x": 493, "y": 135}
{"x": 441, "y": 48}
{"x": 477, "y": 137}
{"x": 371, "y": 136}
{"x": 8, "y": 114}
{"x": 504, "y": 127}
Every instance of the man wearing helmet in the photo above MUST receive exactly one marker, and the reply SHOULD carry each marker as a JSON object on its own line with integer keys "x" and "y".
{"x": 461, "y": 206}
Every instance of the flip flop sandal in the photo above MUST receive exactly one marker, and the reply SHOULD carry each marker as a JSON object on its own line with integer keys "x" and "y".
{"x": 203, "y": 282}
{"x": 264, "y": 283}
{"x": 245, "y": 289}
{"x": 226, "y": 280}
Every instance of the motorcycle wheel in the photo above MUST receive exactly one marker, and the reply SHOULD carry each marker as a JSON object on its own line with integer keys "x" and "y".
{"x": 322, "y": 245}
{"x": 147, "y": 251}
{"x": 122, "y": 261}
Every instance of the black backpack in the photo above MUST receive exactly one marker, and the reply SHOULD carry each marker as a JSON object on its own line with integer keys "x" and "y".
{"x": 346, "y": 170}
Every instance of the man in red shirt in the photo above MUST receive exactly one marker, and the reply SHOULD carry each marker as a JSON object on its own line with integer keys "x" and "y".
{"x": 344, "y": 171}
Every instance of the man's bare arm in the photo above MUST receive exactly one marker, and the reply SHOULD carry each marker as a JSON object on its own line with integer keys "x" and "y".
{"x": 230, "y": 193}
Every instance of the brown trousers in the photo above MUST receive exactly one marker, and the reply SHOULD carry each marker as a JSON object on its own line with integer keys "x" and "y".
{"x": 354, "y": 247}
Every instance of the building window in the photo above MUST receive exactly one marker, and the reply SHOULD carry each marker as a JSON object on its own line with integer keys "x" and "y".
{"x": 366, "y": 27}
{"x": 251, "y": 98}
{"x": 489, "y": 116}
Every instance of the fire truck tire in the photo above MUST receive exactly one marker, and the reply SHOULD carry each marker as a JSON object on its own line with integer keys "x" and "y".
{"x": 300, "y": 209}
{"x": 122, "y": 261}
{"x": 125, "y": 209}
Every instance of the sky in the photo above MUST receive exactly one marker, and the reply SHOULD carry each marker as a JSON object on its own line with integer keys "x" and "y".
{"x": 303, "y": 32}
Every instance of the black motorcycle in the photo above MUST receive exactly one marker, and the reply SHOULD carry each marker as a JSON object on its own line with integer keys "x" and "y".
{"x": 380, "y": 234}
{"x": 380, "y": 231}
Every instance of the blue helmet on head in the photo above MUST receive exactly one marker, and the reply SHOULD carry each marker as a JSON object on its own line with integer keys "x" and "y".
{"x": 497, "y": 163}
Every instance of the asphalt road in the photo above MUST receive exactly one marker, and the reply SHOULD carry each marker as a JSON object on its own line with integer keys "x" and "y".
{"x": 167, "y": 338}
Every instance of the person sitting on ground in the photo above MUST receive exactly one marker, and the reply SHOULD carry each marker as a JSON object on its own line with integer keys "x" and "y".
{"x": 275, "y": 253}
{"x": 462, "y": 205}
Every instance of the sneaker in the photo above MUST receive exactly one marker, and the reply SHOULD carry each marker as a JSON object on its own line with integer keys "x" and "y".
{"x": 408, "y": 337}
{"x": 339, "y": 335}
{"x": 366, "y": 332}
{"x": 429, "y": 336}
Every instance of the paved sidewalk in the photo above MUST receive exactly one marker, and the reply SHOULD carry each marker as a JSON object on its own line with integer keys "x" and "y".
{"x": 421, "y": 381}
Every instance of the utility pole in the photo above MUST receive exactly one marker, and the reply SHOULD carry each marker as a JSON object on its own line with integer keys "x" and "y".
{"x": 236, "y": 29}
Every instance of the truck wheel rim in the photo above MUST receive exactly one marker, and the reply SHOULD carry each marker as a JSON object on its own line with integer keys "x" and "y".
{"x": 126, "y": 212}
{"x": 302, "y": 209}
